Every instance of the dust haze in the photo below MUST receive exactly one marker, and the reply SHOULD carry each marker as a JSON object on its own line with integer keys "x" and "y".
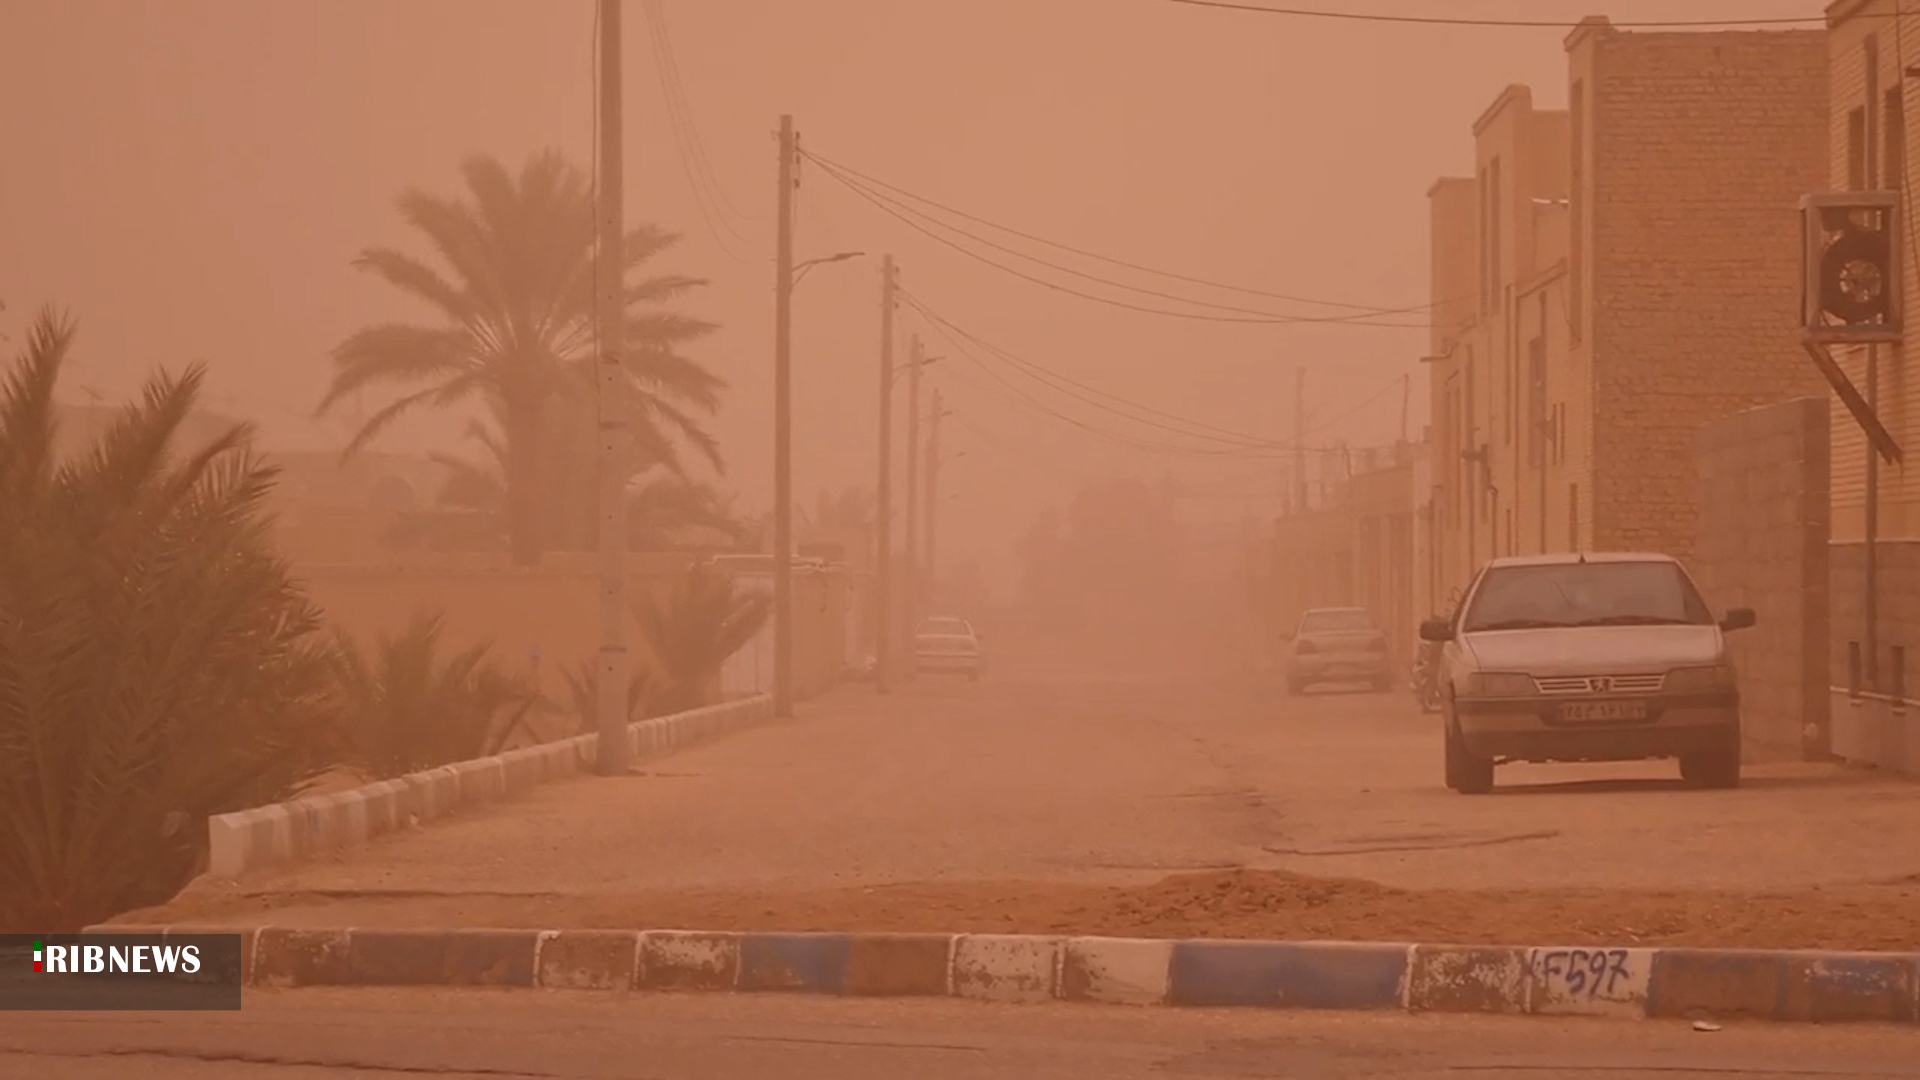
{"x": 1365, "y": 470}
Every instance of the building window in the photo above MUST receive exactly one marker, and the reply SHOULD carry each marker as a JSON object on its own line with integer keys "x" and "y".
{"x": 1496, "y": 210}
{"x": 1573, "y": 517}
{"x": 1857, "y": 149}
{"x": 1486, "y": 303}
{"x": 1537, "y": 402}
{"x": 1560, "y": 433}
{"x": 1870, "y": 65}
{"x": 1894, "y": 157}
{"x": 1576, "y": 208}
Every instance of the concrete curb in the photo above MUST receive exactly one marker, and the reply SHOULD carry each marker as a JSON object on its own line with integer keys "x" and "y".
{"x": 1637, "y": 983}
{"x": 295, "y": 831}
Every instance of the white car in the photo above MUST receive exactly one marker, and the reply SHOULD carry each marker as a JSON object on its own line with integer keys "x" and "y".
{"x": 1587, "y": 657}
{"x": 947, "y": 644}
{"x": 1338, "y": 645}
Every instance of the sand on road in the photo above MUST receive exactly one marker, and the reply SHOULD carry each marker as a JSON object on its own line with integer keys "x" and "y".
{"x": 1149, "y": 806}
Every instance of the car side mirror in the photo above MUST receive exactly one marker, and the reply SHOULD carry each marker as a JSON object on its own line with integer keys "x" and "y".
{"x": 1739, "y": 618}
{"x": 1436, "y": 630}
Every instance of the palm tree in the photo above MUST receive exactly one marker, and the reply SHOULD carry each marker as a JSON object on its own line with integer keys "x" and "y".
{"x": 705, "y": 620}
{"x": 516, "y": 328}
{"x": 583, "y": 695}
{"x": 157, "y": 663}
{"x": 403, "y": 707}
{"x": 665, "y": 511}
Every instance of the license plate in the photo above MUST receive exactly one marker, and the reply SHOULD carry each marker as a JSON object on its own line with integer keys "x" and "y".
{"x": 1589, "y": 712}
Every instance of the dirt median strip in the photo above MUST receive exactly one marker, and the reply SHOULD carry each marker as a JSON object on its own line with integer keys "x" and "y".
{"x": 1238, "y": 904}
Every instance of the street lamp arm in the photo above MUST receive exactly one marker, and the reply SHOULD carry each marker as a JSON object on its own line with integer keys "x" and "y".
{"x": 901, "y": 369}
{"x": 800, "y": 271}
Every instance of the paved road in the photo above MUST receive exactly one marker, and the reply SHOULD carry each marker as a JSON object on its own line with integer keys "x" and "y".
{"x": 1107, "y": 780}
{"x": 310, "y": 1035}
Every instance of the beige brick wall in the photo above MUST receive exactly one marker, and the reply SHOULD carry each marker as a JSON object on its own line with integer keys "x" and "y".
{"x": 1702, "y": 144}
{"x": 1860, "y": 31}
{"x": 1452, "y": 220}
{"x": 1358, "y": 549}
{"x": 1497, "y": 239}
{"x": 1763, "y": 488}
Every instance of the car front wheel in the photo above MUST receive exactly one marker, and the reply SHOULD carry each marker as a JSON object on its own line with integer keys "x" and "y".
{"x": 1466, "y": 773}
{"x": 1712, "y": 769}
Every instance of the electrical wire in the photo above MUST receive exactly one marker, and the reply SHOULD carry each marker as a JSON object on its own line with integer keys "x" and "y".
{"x": 1447, "y": 20}
{"x": 1121, "y": 438}
{"x": 872, "y": 196}
{"x": 1195, "y": 428}
{"x": 1110, "y": 260}
{"x": 887, "y": 206}
{"x": 701, "y": 160}
{"x": 1236, "y": 444}
{"x": 593, "y": 188}
{"x": 960, "y": 339}
{"x": 685, "y": 139}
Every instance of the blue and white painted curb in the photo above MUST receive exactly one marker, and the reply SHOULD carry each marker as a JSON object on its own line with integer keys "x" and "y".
{"x": 1631, "y": 982}
{"x": 295, "y": 831}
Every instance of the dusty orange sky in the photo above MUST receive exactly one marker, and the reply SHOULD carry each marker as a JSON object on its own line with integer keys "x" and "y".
{"x": 192, "y": 177}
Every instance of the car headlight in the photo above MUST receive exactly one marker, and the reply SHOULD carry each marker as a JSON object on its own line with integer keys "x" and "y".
{"x": 1499, "y": 684}
{"x": 1696, "y": 679}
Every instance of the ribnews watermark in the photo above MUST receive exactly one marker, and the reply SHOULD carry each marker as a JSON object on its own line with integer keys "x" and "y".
{"x": 94, "y": 972}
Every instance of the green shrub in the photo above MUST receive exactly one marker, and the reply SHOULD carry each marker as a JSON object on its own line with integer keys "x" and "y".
{"x": 404, "y": 708}
{"x": 157, "y": 663}
{"x": 704, "y": 621}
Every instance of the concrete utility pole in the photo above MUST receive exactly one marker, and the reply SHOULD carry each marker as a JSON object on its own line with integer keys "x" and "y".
{"x": 612, "y": 751}
{"x": 1300, "y": 437}
{"x": 933, "y": 490}
{"x": 915, "y": 363}
{"x": 783, "y": 433}
{"x": 1406, "y": 403}
{"x": 883, "y": 496}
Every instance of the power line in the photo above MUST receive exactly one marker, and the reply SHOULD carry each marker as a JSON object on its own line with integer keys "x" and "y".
{"x": 1135, "y": 442}
{"x": 1237, "y": 444}
{"x": 1444, "y": 20}
{"x": 960, "y": 339}
{"x": 1054, "y": 379}
{"x": 1199, "y": 429}
{"x": 1365, "y": 308}
{"x": 887, "y": 205}
{"x": 701, "y": 161}
{"x": 686, "y": 137}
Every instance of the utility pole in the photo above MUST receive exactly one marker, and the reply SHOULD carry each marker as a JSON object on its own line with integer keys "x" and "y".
{"x": 1300, "y": 437}
{"x": 612, "y": 751}
{"x": 933, "y": 488}
{"x": 915, "y": 363}
{"x": 1406, "y": 402}
{"x": 783, "y": 433}
{"x": 883, "y": 509}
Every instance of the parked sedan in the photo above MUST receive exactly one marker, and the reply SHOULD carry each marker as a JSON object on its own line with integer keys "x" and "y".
{"x": 1585, "y": 657}
{"x": 947, "y": 644}
{"x": 1338, "y": 645}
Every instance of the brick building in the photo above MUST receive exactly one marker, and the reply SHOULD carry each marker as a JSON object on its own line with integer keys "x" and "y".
{"x": 1872, "y": 60}
{"x": 1612, "y": 277}
{"x": 1357, "y": 546}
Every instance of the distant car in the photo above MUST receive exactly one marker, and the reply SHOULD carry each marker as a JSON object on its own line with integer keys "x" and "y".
{"x": 1587, "y": 657}
{"x": 1338, "y": 645}
{"x": 947, "y": 644}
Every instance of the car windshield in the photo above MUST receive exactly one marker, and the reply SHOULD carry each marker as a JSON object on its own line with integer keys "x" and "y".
{"x": 1321, "y": 622}
{"x": 1585, "y": 594}
{"x": 946, "y": 627}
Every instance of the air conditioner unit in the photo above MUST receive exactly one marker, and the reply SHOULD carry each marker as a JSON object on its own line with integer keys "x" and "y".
{"x": 1851, "y": 267}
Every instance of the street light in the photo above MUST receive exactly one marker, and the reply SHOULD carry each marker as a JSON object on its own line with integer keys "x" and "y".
{"x": 787, "y": 278}
{"x": 801, "y": 270}
{"x": 916, "y": 365}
